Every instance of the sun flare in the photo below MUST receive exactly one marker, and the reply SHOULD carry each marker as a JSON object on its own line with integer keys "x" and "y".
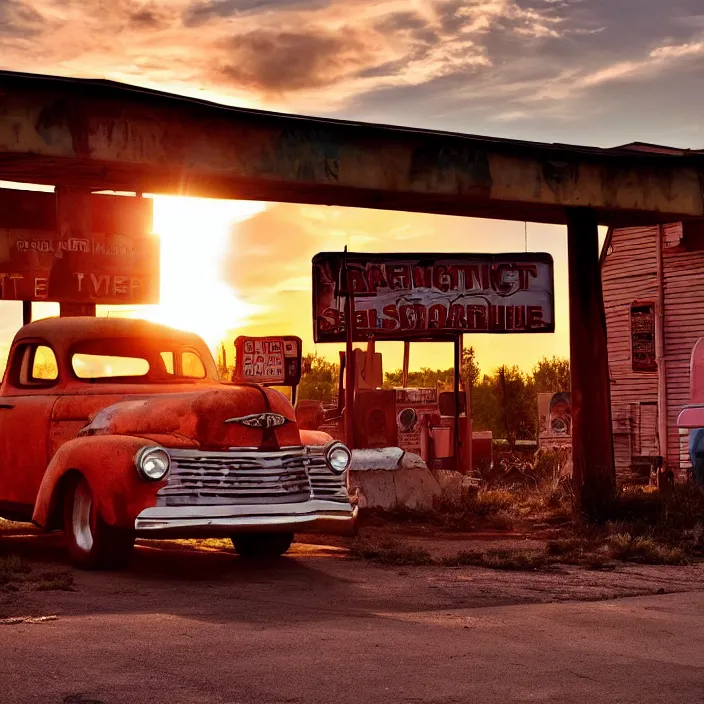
{"x": 194, "y": 236}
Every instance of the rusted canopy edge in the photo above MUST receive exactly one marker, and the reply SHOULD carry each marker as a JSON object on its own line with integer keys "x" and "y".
{"x": 104, "y": 135}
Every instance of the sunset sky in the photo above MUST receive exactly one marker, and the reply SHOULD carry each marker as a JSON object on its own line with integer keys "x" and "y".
{"x": 598, "y": 72}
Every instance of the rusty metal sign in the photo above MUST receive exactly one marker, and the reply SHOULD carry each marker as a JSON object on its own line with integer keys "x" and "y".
{"x": 554, "y": 420}
{"x": 117, "y": 263}
{"x": 432, "y": 296}
{"x": 272, "y": 361}
{"x": 643, "y": 353}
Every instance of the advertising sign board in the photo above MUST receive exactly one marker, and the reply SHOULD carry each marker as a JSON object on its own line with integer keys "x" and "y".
{"x": 272, "y": 361}
{"x": 430, "y": 296}
{"x": 411, "y": 406}
{"x": 554, "y": 420}
{"x": 116, "y": 263}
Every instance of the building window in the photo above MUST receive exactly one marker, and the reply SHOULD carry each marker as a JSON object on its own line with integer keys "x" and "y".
{"x": 643, "y": 337}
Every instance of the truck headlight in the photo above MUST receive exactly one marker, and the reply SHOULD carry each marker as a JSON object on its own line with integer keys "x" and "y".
{"x": 153, "y": 463}
{"x": 338, "y": 457}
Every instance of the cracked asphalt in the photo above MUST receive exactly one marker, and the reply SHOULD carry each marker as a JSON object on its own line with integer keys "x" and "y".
{"x": 189, "y": 623}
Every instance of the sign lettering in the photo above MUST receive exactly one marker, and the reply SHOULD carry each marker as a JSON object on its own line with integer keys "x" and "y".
{"x": 426, "y": 296}
{"x": 272, "y": 361}
{"x": 117, "y": 263}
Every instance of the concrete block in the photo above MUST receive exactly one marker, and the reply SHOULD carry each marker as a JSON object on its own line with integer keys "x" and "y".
{"x": 390, "y": 477}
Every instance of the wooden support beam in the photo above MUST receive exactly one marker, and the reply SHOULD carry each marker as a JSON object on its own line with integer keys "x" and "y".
{"x": 406, "y": 362}
{"x": 459, "y": 442}
{"x": 592, "y": 440}
{"x": 350, "y": 370}
{"x": 73, "y": 220}
{"x": 468, "y": 459}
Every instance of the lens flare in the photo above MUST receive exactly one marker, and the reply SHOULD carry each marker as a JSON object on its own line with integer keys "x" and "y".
{"x": 194, "y": 237}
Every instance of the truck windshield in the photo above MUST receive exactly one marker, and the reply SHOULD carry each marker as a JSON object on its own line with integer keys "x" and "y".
{"x": 135, "y": 360}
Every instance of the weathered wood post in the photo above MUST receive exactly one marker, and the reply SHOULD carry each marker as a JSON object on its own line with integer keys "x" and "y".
{"x": 350, "y": 378}
{"x": 73, "y": 220}
{"x": 592, "y": 436}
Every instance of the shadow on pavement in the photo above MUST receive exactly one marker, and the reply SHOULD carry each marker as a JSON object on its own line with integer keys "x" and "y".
{"x": 186, "y": 580}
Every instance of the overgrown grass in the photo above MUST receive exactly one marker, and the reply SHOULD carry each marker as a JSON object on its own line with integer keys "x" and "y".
{"x": 390, "y": 552}
{"x": 625, "y": 547}
{"x": 499, "y": 559}
{"x": 484, "y": 509}
{"x": 15, "y": 572}
{"x": 12, "y": 568}
{"x": 641, "y": 525}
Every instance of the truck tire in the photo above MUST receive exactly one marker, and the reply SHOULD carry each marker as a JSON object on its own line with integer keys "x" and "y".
{"x": 92, "y": 543}
{"x": 253, "y": 545}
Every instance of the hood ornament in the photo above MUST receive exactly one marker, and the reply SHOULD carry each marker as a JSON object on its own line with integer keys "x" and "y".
{"x": 260, "y": 420}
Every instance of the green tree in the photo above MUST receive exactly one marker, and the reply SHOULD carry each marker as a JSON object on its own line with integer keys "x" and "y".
{"x": 504, "y": 402}
{"x": 320, "y": 379}
{"x": 516, "y": 401}
{"x": 428, "y": 378}
{"x": 552, "y": 375}
{"x": 423, "y": 378}
{"x": 470, "y": 368}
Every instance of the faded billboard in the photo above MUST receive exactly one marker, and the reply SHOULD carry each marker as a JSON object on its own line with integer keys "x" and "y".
{"x": 554, "y": 420}
{"x": 428, "y": 296}
{"x": 117, "y": 263}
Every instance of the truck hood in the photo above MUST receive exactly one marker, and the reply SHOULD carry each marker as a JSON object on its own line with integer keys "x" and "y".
{"x": 210, "y": 419}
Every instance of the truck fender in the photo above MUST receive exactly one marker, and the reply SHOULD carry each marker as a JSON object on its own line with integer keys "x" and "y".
{"x": 315, "y": 438}
{"x": 107, "y": 463}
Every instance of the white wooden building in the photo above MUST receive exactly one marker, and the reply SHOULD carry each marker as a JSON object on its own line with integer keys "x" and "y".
{"x": 653, "y": 280}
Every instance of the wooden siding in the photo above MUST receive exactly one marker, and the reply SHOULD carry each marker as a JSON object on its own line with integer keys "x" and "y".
{"x": 684, "y": 325}
{"x": 629, "y": 274}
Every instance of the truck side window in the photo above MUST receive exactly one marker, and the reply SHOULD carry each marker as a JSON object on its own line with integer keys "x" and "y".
{"x": 44, "y": 366}
{"x": 168, "y": 359}
{"x": 192, "y": 366}
{"x": 35, "y": 365}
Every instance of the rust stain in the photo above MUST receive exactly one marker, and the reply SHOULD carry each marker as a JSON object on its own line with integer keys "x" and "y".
{"x": 61, "y": 116}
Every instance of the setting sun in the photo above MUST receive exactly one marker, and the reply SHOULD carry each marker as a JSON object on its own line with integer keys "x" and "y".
{"x": 194, "y": 233}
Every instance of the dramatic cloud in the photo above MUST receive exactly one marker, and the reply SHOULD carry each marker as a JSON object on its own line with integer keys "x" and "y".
{"x": 151, "y": 17}
{"x": 270, "y": 61}
{"x": 18, "y": 19}
{"x": 559, "y": 69}
{"x": 201, "y": 12}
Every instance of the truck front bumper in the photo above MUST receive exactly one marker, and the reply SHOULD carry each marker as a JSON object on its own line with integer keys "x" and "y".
{"x": 314, "y": 516}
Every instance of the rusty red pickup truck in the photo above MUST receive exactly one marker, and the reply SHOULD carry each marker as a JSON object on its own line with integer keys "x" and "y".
{"x": 113, "y": 429}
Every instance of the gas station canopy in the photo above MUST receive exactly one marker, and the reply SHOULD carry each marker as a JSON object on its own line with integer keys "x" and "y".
{"x": 101, "y": 135}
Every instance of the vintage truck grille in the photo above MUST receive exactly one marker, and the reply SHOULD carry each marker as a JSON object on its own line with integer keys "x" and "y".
{"x": 238, "y": 477}
{"x": 325, "y": 484}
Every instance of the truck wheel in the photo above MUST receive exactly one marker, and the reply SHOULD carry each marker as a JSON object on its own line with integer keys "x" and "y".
{"x": 93, "y": 544}
{"x": 250, "y": 545}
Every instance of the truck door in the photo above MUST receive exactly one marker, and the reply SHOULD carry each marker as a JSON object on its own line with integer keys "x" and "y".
{"x": 25, "y": 416}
